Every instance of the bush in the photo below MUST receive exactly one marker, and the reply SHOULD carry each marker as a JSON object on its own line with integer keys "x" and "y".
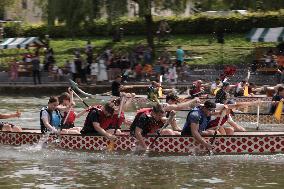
{"x": 198, "y": 24}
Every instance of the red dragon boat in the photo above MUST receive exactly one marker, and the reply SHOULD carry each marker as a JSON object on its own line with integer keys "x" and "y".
{"x": 239, "y": 143}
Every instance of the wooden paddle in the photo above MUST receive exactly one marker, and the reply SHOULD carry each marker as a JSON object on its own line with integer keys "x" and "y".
{"x": 74, "y": 85}
{"x": 159, "y": 131}
{"x": 80, "y": 98}
{"x": 110, "y": 145}
{"x": 278, "y": 111}
{"x": 257, "y": 119}
{"x": 223, "y": 113}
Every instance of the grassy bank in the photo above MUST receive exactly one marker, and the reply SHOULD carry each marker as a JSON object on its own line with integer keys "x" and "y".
{"x": 236, "y": 49}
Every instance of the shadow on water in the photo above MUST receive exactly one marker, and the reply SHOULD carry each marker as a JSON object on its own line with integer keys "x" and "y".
{"x": 51, "y": 167}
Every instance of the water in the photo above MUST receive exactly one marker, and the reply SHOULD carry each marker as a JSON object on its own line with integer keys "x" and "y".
{"x": 37, "y": 167}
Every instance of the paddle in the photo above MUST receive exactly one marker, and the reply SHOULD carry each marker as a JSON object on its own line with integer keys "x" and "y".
{"x": 74, "y": 85}
{"x": 278, "y": 111}
{"x": 80, "y": 98}
{"x": 159, "y": 131}
{"x": 246, "y": 91}
{"x": 110, "y": 145}
{"x": 257, "y": 119}
{"x": 223, "y": 113}
{"x": 119, "y": 113}
{"x": 160, "y": 90}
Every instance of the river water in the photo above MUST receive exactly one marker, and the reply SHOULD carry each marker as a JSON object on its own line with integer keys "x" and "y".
{"x": 37, "y": 167}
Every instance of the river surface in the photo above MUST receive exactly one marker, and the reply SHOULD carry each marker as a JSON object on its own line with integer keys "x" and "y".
{"x": 37, "y": 167}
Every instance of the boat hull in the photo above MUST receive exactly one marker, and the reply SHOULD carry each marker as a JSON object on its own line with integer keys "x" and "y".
{"x": 242, "y": 143}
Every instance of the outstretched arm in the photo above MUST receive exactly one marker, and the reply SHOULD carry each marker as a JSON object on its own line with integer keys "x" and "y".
{"x": 7, "y": 116}
{"x": 183, "y": 105}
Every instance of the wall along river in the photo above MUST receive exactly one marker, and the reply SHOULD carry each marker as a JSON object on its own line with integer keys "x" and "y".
{"x": 37, "y": 167}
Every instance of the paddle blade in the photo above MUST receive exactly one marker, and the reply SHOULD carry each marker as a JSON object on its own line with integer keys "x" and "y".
{"x": 160, "y": 91}
{"x": 110, "y": 146}
{"x": 246, "y": 91}
{"x": 278, "y": 111}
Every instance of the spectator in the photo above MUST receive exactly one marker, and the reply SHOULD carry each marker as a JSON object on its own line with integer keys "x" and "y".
{"x": 14, "y": 71}
{"x": 36, "y": 69}
{"x": 179, "y": 56}
{"x": 163, "y": 30}
{"x": 147, "y": 69}
{"x": 94, "y": 72}
{"x": 138, "y": 71}
{"x": 148, "y": 56}
{"x": 102, "y": 73}
{"x": 79, "y": 70}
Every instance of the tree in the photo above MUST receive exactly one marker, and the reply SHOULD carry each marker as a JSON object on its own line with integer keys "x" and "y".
{"x": 3, "y": 5}
{"x": 145, "y": 12}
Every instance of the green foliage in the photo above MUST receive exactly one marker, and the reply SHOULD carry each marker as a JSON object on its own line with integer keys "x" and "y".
{"x": 136, "y": 26}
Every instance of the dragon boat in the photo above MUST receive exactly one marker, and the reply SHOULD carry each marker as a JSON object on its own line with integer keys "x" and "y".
{"x": 264, "y": 118}
{"x": 142, "y": 99}
{"x": 239, "y": 143}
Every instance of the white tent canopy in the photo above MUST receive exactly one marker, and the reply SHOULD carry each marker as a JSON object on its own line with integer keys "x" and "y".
{"x": 266, "y": 35}
{"x": 12, "y": 43}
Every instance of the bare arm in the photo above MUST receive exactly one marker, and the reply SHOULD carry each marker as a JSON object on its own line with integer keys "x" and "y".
{"x": 82, "y": 113}
{"x": 47, "y": 125}
{"x": 72, "y": 102}
{"x": 6, "y": 116}
{"x": 139, "y": 137}
{"x": 183, "y": 105}
{"x": 194, "y": 131}
{"x": 236, "y": 126}
{"x": 100, "y": 130}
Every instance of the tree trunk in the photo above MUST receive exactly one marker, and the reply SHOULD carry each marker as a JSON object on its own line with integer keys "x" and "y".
{"x": 150, "y": 35}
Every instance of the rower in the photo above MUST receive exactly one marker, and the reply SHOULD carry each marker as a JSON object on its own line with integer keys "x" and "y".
{"x": 197, "y": 122}
{"x": 153, "y": 91}
{"x": 5, "y": 126}
{"x": 215, "y": 86}
{"x": 173, "y": 104}
{"x": 223, "y": 94}
{"x": 117, "y": 87}
{"x": 213, "y": 123}
{"x": 196, "y": 89}
{"x": 276, "y": 98}
{"x": 148, "y": 121}
{"x": 50, "y": 117}
{"x": 66, "y": 108}
{"x": 97, "y": 120}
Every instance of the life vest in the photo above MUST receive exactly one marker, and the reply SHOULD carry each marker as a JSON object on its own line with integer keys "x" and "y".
{"x": 203, "y": 122}
{"x": 69, "y": 123}
{"x": 151, "y": 125}
{"x": 105, "y": 122}
{"x": 214, "y": 123}
{"x": 42, "y": 126}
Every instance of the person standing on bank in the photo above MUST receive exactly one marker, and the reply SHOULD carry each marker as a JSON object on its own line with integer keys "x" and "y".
{"x": 36, "y": 69}
{"x": 116, "y": 86}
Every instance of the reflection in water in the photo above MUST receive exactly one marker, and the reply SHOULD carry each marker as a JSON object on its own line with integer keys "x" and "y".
{"x": 57, "y": 168}
{"x": 37, "y": 167}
